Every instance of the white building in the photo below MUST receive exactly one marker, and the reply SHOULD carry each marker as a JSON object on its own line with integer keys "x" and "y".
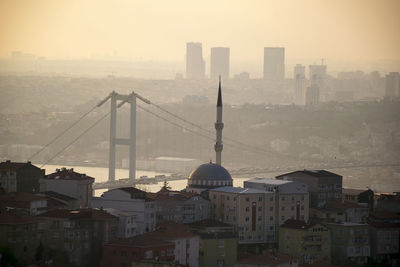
{"x": 133, "y": 201}
{"x": 70, "y": 183}
{"x": 126, "y": 224}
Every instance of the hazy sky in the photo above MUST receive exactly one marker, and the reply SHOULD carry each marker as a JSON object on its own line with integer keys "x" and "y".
{"x": 158, "y": 30}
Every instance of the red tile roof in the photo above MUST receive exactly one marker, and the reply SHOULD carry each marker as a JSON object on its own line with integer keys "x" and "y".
{"x": 19, "y": 199}
{"x": 68, "y": 174}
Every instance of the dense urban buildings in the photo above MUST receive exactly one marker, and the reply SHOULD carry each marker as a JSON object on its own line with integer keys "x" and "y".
{"x": 274, "y": 63}
{"x": 219, "y": 62}
{"x": 392, "y": 85}
{"x": 195, "y": 65}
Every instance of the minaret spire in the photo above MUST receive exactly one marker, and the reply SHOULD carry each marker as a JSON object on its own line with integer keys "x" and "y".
{"x": 218, "y": 127}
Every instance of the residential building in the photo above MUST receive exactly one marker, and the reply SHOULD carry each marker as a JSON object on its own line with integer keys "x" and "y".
{"x": 180, "y": 206}
{"x": 385, "y": 242}
{"x": 300, "y": 83}
{"x": 392, "y": 85}
{"x": 218, "y": 243}
{"x": 359, "y": 196}
{"x": 308, "y": 243}
{"x": 219, "y": 63}
{"x": 274, "y": 63}
{"x": 60, "y": 200}
{"x": 350, "y": 244}
{"x": 341, "y": 212}
{"x": 195, "y": 65}
{"x": 20, "y": 176}
{"x": 312, "y": 97}
{"x": 80, "y": 233}
{"x": 324, "y": 186}
{"x": 388, "y": 203}
{"x": 291, "y": 198}
{"x": 251, "y": 211}
{"x": 131, "y": 200}
{"x": 133, "y": 251}
{"x": 22, "y": 234}
{"x": 267, "y": 259}
{"x": 126, "y": 222}
{"x": 68, "y": 182}
{"x": 24, "y": 203}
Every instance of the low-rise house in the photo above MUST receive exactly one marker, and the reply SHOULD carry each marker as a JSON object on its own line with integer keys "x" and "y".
{"x": 267, "y": 259}
{"x": 131, "y": 200}
{"x": 20, "y": 176}
{"x": 22, "y": 234}
{"x": 252, "y": 213}
{"x": 135, "y": 250}
{"x": 324, "y": 186}
{"x": 385, "y": 242}
{"x": 24, "y": 203}
{"x": 292, "y": 198}
{"x": 68, "y": 182}
{"x": 80, "y": 233}
{"x": 180, "y": 206}
{"x": 341, "y": 212}
{"x": 350, "y": 244}
{"x": 307, "y": 243}
{"x": 126, "y": 222}
{"x": 170, "y": 242}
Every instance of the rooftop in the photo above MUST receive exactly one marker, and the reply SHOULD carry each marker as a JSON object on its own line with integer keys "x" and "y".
{"x": 68, "y": 174}
{"x": 352, "y": 191}
{"x": 8, "y": 218}
{"x": 269, "y": 181}
{"x": 13, "y": 166}
{"x": 94, "y": 214}
{"x": 384, "y": 225}
{"x": 19, "y": 199}
{"x": 52, "y": 194}
{"x": 267, "y": 258}
{"x": 296, "y": 224}
{"x": 314, "y": 173}
{"x": 239, "y": 190}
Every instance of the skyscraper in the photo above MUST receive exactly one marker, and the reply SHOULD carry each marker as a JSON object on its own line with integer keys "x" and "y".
{"x": 219, "y": 63}
{"x": 299, "y": 84}
{"x": 318, "y": 74}
{"x": 195, "y": 65}
{"x": 274, "y": 63}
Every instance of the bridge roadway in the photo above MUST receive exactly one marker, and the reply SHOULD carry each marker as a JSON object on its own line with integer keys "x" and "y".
{"x": 236, "y": 173}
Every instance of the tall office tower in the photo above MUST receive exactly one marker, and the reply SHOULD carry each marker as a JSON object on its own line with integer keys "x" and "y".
{"x": 195, "y": 65}
{"x": 318, "y": 74}
{"x": 392, "y": 85}
{"x": 274, "y": 63}
{"x": 219, "y": 62}
{"x": 299, "y": 84}
{"x": 299, "y": 69}
{"x": 312, "y": 92}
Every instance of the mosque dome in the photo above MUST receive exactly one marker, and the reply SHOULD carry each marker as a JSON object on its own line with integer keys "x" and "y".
{"x": 209, "y": 175}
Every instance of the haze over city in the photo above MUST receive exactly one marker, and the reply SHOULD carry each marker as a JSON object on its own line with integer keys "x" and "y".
{"x": 199, "y": 133}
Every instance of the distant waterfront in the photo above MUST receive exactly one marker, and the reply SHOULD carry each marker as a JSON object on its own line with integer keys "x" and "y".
{"x": 349, "y": 180}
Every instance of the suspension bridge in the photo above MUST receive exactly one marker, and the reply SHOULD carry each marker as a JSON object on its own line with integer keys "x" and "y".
{"x": 141, "y": 104}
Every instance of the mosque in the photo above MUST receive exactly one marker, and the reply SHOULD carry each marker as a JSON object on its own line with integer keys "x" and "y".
{"x": 211, "y": 175}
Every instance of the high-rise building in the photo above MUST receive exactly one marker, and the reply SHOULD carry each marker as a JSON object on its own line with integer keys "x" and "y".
{"x": 392, "y": 85}
{"x": 318, "y": 75}
{"x": 299, "y": 84}
{"x": 274, "y": 63}
{"x": 195, "y": 65}
{"x": 219, "y": 62}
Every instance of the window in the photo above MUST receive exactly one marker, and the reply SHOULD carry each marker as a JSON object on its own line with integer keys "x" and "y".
{"x": 234, "y": 198}
{"x": 282, "y": 218}
{"x": 220, "y": 263}
{"x": 247, "y": 219}
{"x": 259, "y": 218}
{"x": 260, "y": 199}
{"x": 271, "y": 199}
{"x": 283, "y": 208}
{"x": 247, "y": 199}
{"x": 292, "y": 199}
{"x": 247, "y": 209}
{"x": 214, "y": 196}
{"x": 227, "y": 197}
{"x": 271, "y": 218}
{"x": 221, "y": 243}
{"x": 148, "y": 254}
{"x": 283, "y": 198}
{"x": 302, "y": 207}
{"x": 292, "y": 208}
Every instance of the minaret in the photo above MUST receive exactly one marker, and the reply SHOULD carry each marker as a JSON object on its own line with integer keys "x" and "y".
{"x": 219, "y": 126}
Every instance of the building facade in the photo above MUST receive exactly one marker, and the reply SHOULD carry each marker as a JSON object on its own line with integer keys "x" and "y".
{"x": 274, "y": 63}
{"x": 70, "y": 183}
{"x": 252, "y": 212}
{"x": 219, "y": 62}
{"x": 195, "y": 65}
{"x": 307, "y": 243}
{"x": 324, "y": 186}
